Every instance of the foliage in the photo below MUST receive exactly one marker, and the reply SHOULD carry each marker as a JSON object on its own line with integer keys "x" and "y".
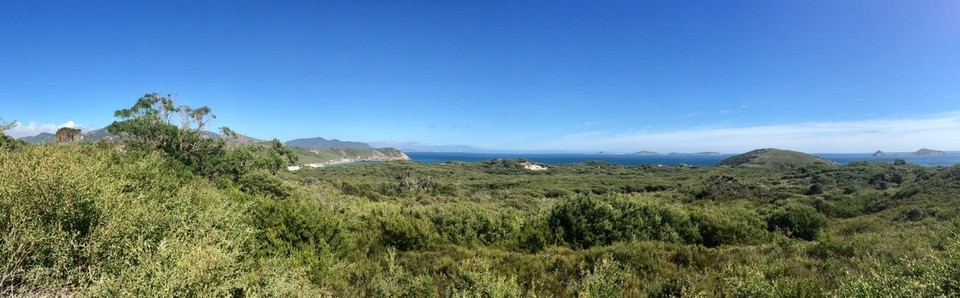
{"x": 301, "y": 231}
{"x": 796, "y": 220}
{"x": 93, "y": 220}
{"x": 728, "y": 226}
{"x": 589, "y": 220}
{"x": 478, "y": 280}
{"x": 7, "y": 142}
{"x": 149, "y": 217}
{"x": 605, "y": 280}
{"x": 148, "y": 125}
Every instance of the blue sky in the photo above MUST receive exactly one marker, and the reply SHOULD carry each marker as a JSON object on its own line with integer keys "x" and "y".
{"x": 728, "y": 76}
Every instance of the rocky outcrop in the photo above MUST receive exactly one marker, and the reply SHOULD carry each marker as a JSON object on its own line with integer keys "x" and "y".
{"x": 880, "y": 153}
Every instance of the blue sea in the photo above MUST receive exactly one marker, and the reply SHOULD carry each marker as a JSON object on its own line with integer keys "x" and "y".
{"x": 695, "y": 160}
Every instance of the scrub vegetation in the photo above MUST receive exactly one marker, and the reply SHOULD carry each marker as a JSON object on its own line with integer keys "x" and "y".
{"x": 169, "y": 212}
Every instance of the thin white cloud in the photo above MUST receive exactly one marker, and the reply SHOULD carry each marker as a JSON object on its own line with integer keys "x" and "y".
{"x": 33, "y": 128}
{"x": 905, "y": 134}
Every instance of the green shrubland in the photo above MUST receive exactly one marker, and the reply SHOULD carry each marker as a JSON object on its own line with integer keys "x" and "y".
{"x": 170, "y": 211}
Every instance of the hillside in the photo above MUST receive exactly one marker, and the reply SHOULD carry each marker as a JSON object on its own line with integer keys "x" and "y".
{"x": 773, "y": 159}
{"x": 98, "y": 134}
{"x": 43, "y": 137}
{"x": 320, "y": 157}
{"x": 321, "y": 143}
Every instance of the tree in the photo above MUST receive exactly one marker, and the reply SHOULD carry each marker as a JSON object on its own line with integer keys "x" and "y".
{"x": 150, "y": 125}
{"x": 67, "y": 134}
{"x": 5, "y": 126}
{"x": 7, "y": 142}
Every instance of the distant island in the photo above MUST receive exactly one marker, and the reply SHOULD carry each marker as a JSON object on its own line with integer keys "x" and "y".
{"x": 609, "y": 153}
{"x": 928, "y": 152}
{"x": 708, "y": 153}
{"x": 694, "y": 154}
{"x": 880, "y": 153}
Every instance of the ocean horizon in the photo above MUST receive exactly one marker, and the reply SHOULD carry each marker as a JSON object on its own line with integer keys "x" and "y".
{"x": 668, "y": 160}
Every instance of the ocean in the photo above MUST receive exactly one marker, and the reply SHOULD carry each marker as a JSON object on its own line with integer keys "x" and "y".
{"x": 670, "y": 160}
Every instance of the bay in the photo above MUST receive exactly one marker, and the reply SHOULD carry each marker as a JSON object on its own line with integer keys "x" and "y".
{"x": 670, "y": 160}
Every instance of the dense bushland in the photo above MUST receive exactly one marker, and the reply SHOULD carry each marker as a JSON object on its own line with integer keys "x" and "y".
{"x": 174, "y": 211}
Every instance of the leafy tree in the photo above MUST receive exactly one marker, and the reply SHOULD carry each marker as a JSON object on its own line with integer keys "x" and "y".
{"x": 7, "y": 142}
{"x": 4, "y": 126}
{"x": 67, "y": 134}
{"x": 149, "y": 125}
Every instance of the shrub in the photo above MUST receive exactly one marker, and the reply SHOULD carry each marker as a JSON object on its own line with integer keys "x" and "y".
{"x": 478, "y": 280}
{"x": 407, "y": 232}
{"x": 299, "y": 229}
{"x": 395, "y": 281}
{"x": 263, "y": 183}
{"x": 591, "y": 220}
{"x": 605, "y": 280}
{"x": 87, "y": 219}
{"x": 728, "y": 226}
{"x": 800, "y": 221}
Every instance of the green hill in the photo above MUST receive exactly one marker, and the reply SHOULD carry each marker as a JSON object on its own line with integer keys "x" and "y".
{"x": 773, "y": 159}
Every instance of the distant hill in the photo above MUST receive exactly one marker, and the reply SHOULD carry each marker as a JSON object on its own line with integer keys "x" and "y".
{"x": 645, "y": 152}
{"x": 244, "y": 140}
{"x": 321, "y": 143}
{"x": 44, "y": 137}
{"x": 880, "y": 153}
{"x": 238, "y": 139}
{"x": 313, "y": 157}
{"x": 773, "y": 158}
{"x": 99, "y": 134}
{"x": 928, "y": 152}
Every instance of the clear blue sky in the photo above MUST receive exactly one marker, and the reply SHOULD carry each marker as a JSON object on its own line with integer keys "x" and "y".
{"x": 729, "y": 76}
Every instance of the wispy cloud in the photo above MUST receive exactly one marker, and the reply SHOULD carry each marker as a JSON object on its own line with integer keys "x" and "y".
{"x": 901, "y": 134}
{"x": 33, "y": 128}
